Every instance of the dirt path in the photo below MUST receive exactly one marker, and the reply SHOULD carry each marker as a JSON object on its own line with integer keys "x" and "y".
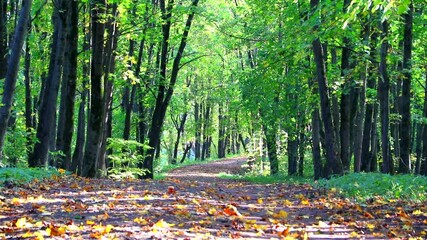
{"x": 208, "y": 173}
{"x": 193, "y": 203}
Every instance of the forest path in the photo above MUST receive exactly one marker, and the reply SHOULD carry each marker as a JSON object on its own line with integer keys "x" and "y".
{"x": 208, "y": 172}
{"x": 194, "y": 203}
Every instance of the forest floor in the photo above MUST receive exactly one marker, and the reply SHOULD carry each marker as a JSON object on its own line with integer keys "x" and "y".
{"x": 193, "y": 203}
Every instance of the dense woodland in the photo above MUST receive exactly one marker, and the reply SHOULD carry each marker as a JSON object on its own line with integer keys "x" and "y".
{"x": 98, "y": 87}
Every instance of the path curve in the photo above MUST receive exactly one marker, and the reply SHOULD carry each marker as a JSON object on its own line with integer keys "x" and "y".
{"x": 208, "y": 173}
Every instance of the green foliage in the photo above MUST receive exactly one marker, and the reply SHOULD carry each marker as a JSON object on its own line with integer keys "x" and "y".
{"x": 24, "y": 175}
{"x": 363, "y": 186}
{"x": 124, "y": 159}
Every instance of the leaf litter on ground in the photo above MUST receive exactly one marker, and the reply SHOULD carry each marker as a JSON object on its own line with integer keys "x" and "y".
{"x": 193, "y": 203}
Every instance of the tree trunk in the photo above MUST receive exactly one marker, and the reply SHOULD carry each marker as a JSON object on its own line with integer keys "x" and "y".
{"x": 165, "y": 94}
{"x": 179, "y": 131}
{"x": 95, "y": 125}
{"x": 12, "y": 70}
{"x": 383, "y": 92}
{"x": 345, "y": 110}
{"x": 405, "y": 127}
{"x": 334, "y": 165}
{"x": 292, "y": 155}
{"x": 29, "y": 124}
{"x": 68, "y": 91}
{"x": 3, "y": 39}
{"x": 198, "y": 129}
{"x": 47, "y": 112}
{"x": 221, "y": 132}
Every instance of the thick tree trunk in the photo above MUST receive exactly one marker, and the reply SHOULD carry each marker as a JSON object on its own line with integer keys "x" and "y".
{"x": 292, "y": 155}
{"x": 47, "y": 112}
{"x": 270, "y": 135}
{"x": 383, "y": 92}
{"x": 345, "y": 110}
{"x": 405, "y": 127}
{"x": 12, "y": 70}
{"x": 68, "y": 91}
{"x": 95, "y": 124}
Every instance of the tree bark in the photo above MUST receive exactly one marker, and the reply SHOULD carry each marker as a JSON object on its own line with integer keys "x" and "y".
{"x": 334, "y": 165}
{"x": 405, "y": 127}
{"x": 68, "y": 91}
{"x": 165, "y": 94}
{"x": 3, "y": 39}
{"x": 383, "y": 92}
{"x": 95, "y": 125}
{"x": 179, "y": 130}
{"x": 12, "y": 69}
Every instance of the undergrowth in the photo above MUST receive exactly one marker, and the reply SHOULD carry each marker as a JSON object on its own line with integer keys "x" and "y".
{"x": 364, "y": 186}
{"x": 24, "y": 175}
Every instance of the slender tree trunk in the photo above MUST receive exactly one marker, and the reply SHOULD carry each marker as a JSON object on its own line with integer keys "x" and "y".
{"x": 29, "y": 124}
{"x": 12, "y": 69}
{"x": 198, "y": 130}
{"x": 95, "y": 126}
{"x": 221, "y": 131}
{"x": 418, "y": 148}
{"x": 383, "y": 92}
{"x": 334, "y": 165}
{"x": 3, "y": 39}
{"x": 165, "y": 94}
{"x": 405, "y": 134}
{"x": 179, "y": 131}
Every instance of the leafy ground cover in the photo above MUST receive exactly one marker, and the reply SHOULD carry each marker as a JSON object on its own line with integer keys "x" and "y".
{"x": 193, "y": 203}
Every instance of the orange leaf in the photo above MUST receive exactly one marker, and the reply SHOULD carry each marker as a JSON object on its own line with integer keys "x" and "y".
{"x": 231, "y": 210}
{"x": 284, "y": 233}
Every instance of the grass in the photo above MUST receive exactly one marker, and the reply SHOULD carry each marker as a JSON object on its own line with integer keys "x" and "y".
{"x": 24, "y": 175}
{"x": 363, "y": 186}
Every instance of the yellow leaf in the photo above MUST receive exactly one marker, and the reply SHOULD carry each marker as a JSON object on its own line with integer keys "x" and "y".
{"x": 21, "y": 223}
{"x": 305, "y": 202}
{"x": 16, "y": 201}
{"x": 61, "y": 171}
{"x": 162, "y": 224}
{"x": 141, "y": 221}
{"x": 39, "y": 236}
{"x": 90, "y": 222}
{"x": 212, "y": 211}
{"x": 370, "y": 226}
{"x": 354, "y": 235}
{"x": 281, "y": 214}
{"x": 417, "y": 212}
{"x": 108, "y": 229}
{"x": 28, "y": 235}
{"x": 260, "y": 201}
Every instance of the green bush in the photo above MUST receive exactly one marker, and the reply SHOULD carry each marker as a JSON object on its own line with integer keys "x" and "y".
{"x": 24, "y": 175}
{"x": 125, "y": 158}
